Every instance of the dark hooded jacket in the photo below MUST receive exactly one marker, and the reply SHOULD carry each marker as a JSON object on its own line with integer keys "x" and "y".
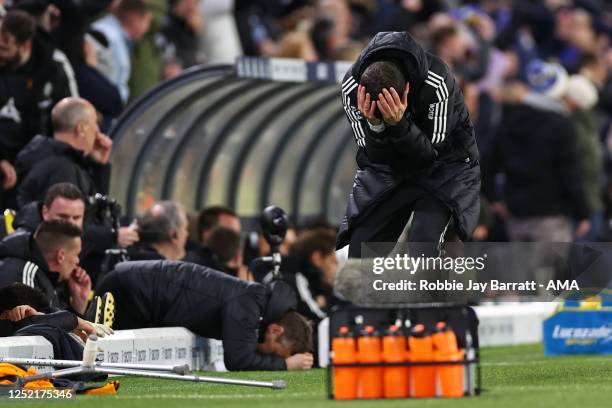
{"x": 28, "y": 93}
{"x": 210, "y": 303}
{"x": 433, "y": 147}
{"x": 22, "y": 261}
{"x": 46, "y": 161}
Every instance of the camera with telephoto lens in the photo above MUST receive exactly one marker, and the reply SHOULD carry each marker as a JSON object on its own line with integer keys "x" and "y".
{"x": 105, "y": 209}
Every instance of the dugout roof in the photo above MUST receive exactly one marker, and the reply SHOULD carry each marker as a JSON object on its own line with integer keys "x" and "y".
{"x": 258, "y": 133}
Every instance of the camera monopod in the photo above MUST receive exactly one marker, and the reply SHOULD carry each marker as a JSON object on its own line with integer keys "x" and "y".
{"x": 89, "y": 366}
{"x": 273, "y": 223}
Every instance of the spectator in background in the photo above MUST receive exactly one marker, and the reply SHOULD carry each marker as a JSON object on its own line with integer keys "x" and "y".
{"x": 47, "y": 17}
{"x": 163, "y": 233}
{"x": 127, "y": 23}
{"x": 449, "y": 45}
{"x": 148, "y": 53}
{"x": 209, "y": 219}
{"x": 311, "y": 268}
{"x": 181, "y": 31}
{"x": 580, "y": 99}
{"x": 95, "y": 87}
{"x": 226, "y": 253}
{"x": 219, "y": 40}
{"x": 536, "y": 150}
{"x": 31, "y": 82}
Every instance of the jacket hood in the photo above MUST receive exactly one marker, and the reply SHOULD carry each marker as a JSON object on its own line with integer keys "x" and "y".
{"x": 41, "y": 147}
{"x": 29, "y": 217}
{"x": 21, "y": 245}
{"x": 282, "y": 298}
{"x": 398, "y": 46}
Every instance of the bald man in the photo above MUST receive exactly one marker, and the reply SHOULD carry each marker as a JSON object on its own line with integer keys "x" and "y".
{"x": 78, "y": 154}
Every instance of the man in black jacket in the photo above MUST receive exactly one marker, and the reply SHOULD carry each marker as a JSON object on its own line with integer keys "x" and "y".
{"x": 417, "y": 155}
{"x": 78, "y": 153}
{"x": 44, "y": 260}
{"x": 258, "y": 330}
{"x": 32, "y": 80}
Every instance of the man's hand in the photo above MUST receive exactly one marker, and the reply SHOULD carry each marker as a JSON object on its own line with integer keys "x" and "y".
{"x": 10, "y": 175}
{"x": 127, "y": 236}
{"x": 366, "y": 106}
{"x": 302, "y": 361}
{"x": 86, "y": 328}
{"x": 80, "y": 286}
{"x": 19, "y": 313}
{"x": 102, "y": 149}
{"x": 391, "y": 107}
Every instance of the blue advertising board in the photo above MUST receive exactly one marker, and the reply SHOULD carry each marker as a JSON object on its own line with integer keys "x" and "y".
{"x": 579, "y": 329}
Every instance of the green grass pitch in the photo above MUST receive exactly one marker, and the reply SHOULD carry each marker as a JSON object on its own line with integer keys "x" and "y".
{"x": 513, "y": 377}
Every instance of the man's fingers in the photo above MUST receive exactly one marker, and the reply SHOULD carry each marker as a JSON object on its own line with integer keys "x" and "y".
{"x": 360, "y": 97}
{"x": 384, "y": 107}
{"x": 405, "y": 94}
{"x": 396, "y": 97}
{"x": 372, "y": 110}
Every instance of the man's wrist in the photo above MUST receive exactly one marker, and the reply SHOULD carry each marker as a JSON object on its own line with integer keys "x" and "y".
{"x": 377, "y": 128}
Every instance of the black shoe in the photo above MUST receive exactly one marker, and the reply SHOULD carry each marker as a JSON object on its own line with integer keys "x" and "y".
{"x": 93, "y": 309}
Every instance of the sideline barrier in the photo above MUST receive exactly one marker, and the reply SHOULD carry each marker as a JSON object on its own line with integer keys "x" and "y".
{"x": 510, "y": 324}
{"x": 168, "y": 346}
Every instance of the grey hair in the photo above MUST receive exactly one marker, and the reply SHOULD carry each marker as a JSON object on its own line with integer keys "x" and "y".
{"x": 68, "y": 113}
{"x": 158, "y": 223}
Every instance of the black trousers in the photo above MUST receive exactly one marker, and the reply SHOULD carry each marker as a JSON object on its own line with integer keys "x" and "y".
{"x": 431, "y": 219}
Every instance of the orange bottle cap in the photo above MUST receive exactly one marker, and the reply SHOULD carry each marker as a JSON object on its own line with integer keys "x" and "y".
{"x": 344, "y": 330}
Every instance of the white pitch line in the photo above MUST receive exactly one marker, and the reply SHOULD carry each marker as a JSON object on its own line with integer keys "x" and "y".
{"x": 218, "y": 396}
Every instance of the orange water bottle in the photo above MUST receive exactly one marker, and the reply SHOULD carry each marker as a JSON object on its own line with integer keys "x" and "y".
{"x": 395, "y": 378}
{"x": 344, "y": 352}
{"x": 449, "y": 377}
{"x": 369, "y": 351}
{"x": 422, "y": 377}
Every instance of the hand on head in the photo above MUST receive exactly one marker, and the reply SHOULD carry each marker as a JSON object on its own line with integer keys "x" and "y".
{"x": 391, "y": 106}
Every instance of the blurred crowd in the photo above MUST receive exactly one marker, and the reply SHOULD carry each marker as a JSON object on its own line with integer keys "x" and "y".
{"x": 535, "y": 75}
